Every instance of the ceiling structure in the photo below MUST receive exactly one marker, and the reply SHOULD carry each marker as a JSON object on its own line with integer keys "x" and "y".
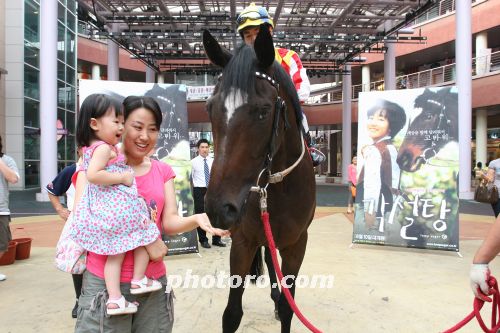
{"x": 326, "y": 34}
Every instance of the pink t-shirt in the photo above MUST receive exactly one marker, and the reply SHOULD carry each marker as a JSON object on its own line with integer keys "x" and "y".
{"x": 351, "y": 173}
{"x": 150, "y": 187}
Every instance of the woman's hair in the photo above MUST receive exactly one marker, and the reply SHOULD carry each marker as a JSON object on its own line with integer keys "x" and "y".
{"x": 94, "y": 106}
{"x": 132, "y": 103}
{"x": 1, "y": 147}
{"x": 395, "y": 115}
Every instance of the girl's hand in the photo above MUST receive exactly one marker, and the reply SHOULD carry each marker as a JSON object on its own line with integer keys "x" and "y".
{"x": 204, "y": 223}
{"x": 127, "y": 178}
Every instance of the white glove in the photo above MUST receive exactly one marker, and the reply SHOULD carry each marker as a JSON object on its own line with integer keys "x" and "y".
{"x": 479, "y": 276}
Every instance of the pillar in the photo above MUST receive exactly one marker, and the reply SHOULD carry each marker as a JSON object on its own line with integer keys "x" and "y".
{"x": 389, "y": 62}
{"x": 96, "y": 72}
{"x": 346, "y": 123}
{"x": 150, "y": 75}
{"x": 365, "y": 78}
{"x": 481, "y": 136}
{"x": 113, "y": 56}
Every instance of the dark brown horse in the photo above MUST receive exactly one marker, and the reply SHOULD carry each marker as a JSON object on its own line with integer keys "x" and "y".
{"x": 255, "y": 115}
{"x": 431, "y": 130}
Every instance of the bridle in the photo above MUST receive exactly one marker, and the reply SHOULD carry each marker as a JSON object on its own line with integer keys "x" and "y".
{"x": 431, "y": 152}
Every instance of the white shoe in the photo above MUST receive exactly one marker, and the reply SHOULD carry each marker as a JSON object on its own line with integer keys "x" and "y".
{"x": 3, "y": 277}
{"x": 143, "y": 287}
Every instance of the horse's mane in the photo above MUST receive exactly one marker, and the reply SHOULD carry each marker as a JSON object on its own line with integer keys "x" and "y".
{"x": 240, "y": 74}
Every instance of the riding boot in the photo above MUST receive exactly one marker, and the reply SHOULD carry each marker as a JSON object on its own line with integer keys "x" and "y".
{"x": 317, "y": 156}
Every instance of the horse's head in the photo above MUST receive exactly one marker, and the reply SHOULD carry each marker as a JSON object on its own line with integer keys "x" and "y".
{"x": 435, "y": 126}
{"x": 248, "y": 120}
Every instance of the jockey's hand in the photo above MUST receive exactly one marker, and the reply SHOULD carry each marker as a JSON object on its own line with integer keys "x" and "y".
{"x": 479, "y": 276}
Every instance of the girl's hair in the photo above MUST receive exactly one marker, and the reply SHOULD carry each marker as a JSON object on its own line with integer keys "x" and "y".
{"x": 132, "y": 103}
{"x": 395, "y": 115}
{"x": 94, "y": 106}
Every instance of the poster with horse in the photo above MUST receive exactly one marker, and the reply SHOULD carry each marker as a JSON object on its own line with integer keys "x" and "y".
{"x": 173, "y": 142}
{"x": 407, "y": 172}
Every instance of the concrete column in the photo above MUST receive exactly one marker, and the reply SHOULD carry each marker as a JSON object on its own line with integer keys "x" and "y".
{"x": 113, "y": 56}
{"x": 150, "y": 75}
{"x": 483, "y": 54}
{"x": 48, "y": 95}
{"x": 96, "y": 72}
{"x": 481, "y": 136}
{"x": 389, "y": 62}
{"x": 161, "y": 78}
{"x": 346, "y": 123}
{"x": 365, "y": 77}
{"x": 463, "y": 47}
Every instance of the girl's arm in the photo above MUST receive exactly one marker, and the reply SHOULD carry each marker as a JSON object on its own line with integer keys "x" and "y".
{"x": 174, "y": 224}
{"x": 96, "y": 173}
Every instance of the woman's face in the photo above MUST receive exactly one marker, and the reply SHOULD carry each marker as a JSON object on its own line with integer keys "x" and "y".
{"x": 354, "y": 160}
{"x": 378, "y": 126}
{"x": 140, "y": 134}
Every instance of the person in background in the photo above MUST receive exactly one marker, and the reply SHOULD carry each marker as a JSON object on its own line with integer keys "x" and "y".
{"x": 249, "y": 22}
{"x": 493, "y": 176}
{"x": 200, "y": 176}
{"x": 58, "y": 187}
{"x": 352, "y": 178}
{"x": 9, "y": 173}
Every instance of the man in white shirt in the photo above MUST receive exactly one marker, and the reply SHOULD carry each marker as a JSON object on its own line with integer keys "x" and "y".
{"x": 200, "y": 176}
{"x": 8, "y": 174}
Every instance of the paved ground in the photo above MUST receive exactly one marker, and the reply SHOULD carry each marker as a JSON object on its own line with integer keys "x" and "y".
{"x": 376, "y": 289}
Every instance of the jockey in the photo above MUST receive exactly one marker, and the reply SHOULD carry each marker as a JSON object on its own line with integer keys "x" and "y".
{"x": 249, "y": 22}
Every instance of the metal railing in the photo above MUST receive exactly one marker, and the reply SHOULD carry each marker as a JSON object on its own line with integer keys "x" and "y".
{"x": 436, "y": 76}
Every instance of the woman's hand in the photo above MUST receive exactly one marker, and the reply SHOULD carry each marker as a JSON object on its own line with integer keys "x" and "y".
{"x": 479, "y": 276}
{"x": 63, "y": 213}
{"x": 204, "y": 223}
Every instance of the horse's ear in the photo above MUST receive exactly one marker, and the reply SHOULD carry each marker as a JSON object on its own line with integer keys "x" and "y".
{"x": 264, "y": 47}
{"x": 217, "y": 55}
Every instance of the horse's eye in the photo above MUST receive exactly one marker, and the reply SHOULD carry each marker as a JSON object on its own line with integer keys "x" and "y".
{"x": 428, "y": 116}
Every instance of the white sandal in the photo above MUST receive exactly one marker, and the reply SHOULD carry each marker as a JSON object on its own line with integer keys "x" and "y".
{"x": 143, "y": 286}
{"x": 124, "y": 307}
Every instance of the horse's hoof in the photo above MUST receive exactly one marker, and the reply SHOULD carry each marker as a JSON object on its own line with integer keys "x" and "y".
{"x": 276, "y": 315}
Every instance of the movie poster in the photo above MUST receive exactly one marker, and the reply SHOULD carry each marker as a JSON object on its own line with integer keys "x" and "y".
{"x": 407, "y": 171}
{"x": 173, "y": 142}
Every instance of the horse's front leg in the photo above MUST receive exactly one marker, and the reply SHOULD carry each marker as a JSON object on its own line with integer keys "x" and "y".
{"x": 292, "y": 257}
{"x": 241, "y": 258}
{"x": 275, "y": 291}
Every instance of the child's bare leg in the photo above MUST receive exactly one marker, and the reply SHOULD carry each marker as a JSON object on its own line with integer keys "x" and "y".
{"x": 112, "y": 270}
{"x": 141, "y": 261}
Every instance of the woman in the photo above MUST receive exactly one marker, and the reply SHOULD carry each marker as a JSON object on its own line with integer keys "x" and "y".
{"x": 493, "y": 176}
{"x": 155, "y": 183}
{"x": 379, "y": 177}
{"x": 351, "y": 175}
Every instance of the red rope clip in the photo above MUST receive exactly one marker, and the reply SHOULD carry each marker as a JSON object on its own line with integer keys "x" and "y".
{"x": 478, "y": 304}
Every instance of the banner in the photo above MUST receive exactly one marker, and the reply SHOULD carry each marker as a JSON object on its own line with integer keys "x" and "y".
{"x": 172, "y": 146}
{"x": 407, "y": 171}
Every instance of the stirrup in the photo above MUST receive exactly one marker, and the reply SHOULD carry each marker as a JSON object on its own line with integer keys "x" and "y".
{"x": 143, "y": 286}
{"x": 124, "y": 307}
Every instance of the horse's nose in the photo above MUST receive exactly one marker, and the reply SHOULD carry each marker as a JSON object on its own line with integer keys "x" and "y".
{"x": 221, "y": 214}
{"x": 229, "y": 212}
{"x": 405, "y": 160}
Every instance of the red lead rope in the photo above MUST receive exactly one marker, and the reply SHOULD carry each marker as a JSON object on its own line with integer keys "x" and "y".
{"x": 291, "y": 301}
{"x": 478, "y": 304}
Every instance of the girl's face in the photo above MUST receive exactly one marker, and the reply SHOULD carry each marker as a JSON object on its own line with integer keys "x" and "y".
{"x": 378, "y": 126}
{"x": 140, "y": 134}
{"x": 108, "y": 128}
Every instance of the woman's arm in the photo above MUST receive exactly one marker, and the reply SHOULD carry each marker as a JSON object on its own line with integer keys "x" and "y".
{"x": 10, "y": 174}
{"x": 97, "y": 174}
{"x": 61, "y": 211}
{"x": 489, "y": 176}
{"x": 174, "y": 224}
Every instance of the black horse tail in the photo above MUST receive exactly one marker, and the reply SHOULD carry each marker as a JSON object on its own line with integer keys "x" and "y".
{"x": 257, "y": 268}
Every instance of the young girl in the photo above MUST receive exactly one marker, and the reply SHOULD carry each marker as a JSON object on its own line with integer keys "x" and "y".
{"x": 110, "y": 218}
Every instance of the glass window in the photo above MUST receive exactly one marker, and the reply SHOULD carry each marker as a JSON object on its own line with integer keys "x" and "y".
{"x": 70, "y": 99}
{"x": 31, "y": 113}
{"x": 60, "y": 166}
{"x": 70, "y": 76}
{"x": 31, "y": 21}
{"x": 71, "y": 48}
{"x": 61, "y": 148}
{"x": 71, "y": 4}
{"x": 32, "y": 174}
{"x": 61, "y": 11}
{"x": 70, "y": 122}
{"x": 70, "y": 148}
{"x": 61, "y": 45}
{"x": 61, "y": 94}
{"x": 31, "y": 55}
{"x": 70, "y": 22}
{"x": 31, "y": 143}
{"x": 31, "y": 86}
{"x": 60, "y": 70}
